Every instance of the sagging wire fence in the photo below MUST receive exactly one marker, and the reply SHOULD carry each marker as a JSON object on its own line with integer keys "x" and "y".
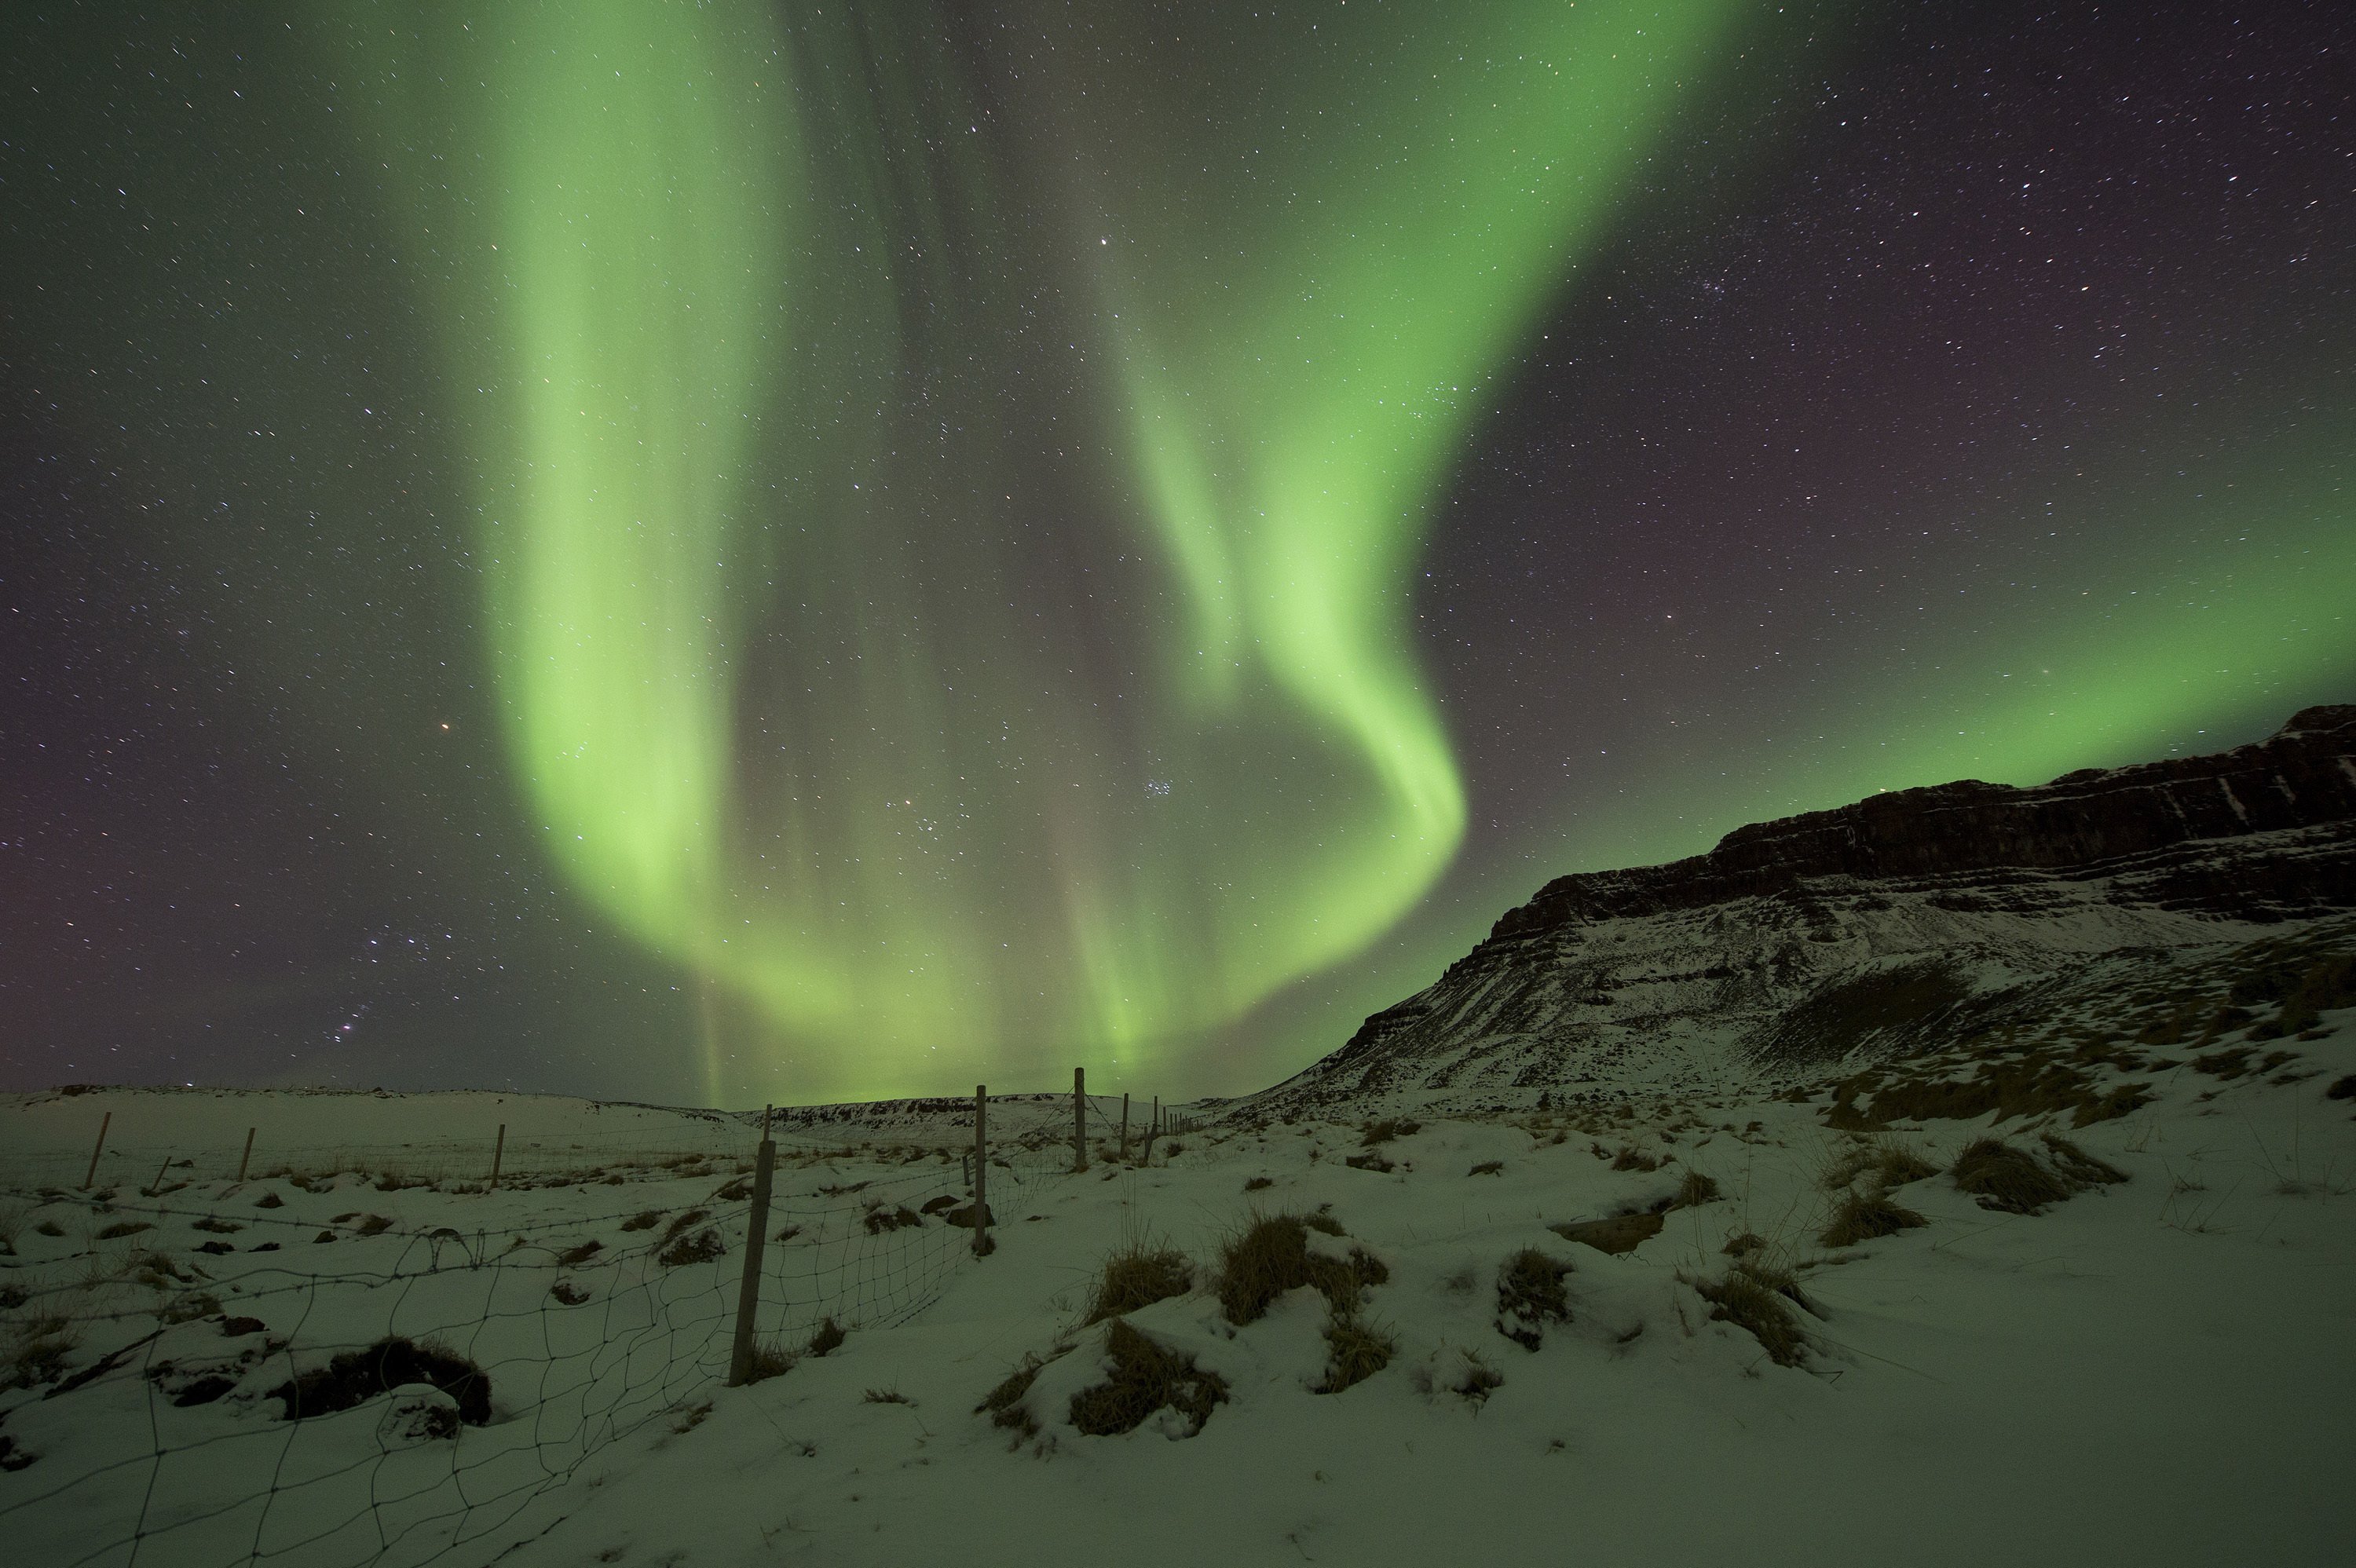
{"x": 222, "y": 1390}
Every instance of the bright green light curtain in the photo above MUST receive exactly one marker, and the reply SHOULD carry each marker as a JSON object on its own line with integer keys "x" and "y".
{"x": 947, "y": 517}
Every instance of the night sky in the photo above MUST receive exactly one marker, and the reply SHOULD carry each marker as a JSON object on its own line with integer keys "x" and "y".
{"x": 806, "y": 552}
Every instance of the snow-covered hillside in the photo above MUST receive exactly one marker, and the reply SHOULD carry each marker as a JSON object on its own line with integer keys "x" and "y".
{"x": 2152, "y": 1367}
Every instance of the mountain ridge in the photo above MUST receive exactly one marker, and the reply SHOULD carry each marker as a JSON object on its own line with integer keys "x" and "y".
{"x": 1895, "y": 924}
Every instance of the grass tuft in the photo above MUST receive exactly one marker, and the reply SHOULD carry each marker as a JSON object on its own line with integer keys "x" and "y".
{"x": 1865, "y": 1216}
{"x": 1694, "y": 1191}
{"x": 770, "y": 1359}
{"x": 1354, "y": 1352}
{"x": 2005, "y": 1178}
{"x": 1146, "y": 1377}
{"x": 1530, "y": 1294}
{"x": 1758, "y": 1297}
{"x": 1136, "y": 1276}
{"x": 828, "y": 1336}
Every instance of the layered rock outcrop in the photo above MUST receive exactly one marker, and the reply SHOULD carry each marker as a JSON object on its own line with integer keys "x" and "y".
{"x": 1878, "y": 927}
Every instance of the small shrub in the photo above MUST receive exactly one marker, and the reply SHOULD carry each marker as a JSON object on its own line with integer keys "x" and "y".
{"x": 39, "y": 1353}
{"x": 218, "y": 1227}
{"x": 567, "y": 1293}
{"x": 1864, "y": 1216}
{"x": 1891, "y": 1162}
{"x": 646, "y": 1221}
{"x": 1136, "y": 1276}
{"x": 1260, "y": 1184}
{"x": 880, "y": 1219}
{"x": 1146, "y": 1377}
{"x": 2006, "y": 1179}
{"x": 1694, "y": 1191}
{"x": 1630, "y": 1157}
{"x": 1389, "y": 1127}
{"x": 1488, "y": 1168}
{"x": 679, "y": 1226}
{"x": 1354, "y": 1352}
{"x": 1743, "y": 1242}
{"x": 829, "y": 1336}
{"x": 1530, "y": 1294}
{"x": 574, "y": 1257}
{"x": 887, "y": 1396}
{"x": 1370, "y": 1160}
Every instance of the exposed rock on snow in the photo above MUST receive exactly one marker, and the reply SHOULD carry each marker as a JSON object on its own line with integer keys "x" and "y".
{"x": 1904, "y": 922}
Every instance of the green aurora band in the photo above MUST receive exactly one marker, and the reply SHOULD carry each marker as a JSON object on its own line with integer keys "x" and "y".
{"x": 768, "y": 676}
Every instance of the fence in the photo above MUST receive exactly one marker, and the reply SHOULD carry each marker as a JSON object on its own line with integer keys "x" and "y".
{"x": 232, "y": 1412}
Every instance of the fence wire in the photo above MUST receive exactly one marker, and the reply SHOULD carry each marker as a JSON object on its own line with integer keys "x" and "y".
{"x": 411, "y": 1408}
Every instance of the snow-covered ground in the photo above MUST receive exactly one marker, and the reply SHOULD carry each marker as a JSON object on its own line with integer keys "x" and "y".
{"x": 2153, "y": 1371}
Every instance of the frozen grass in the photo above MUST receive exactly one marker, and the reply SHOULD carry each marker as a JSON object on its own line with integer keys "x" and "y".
{"x": 1890, "y": 1161}
{"x": 1146, "y": 1377}
{"x": 1865, "y": 1216}
{"x": 1138, "y": 1274}
{"x": 1530, "y": 1294}
{"x": 2005, "y": 1177}
{"x": 1757, "y": 1296}
{"x": 1694, "y": 1191}
{"x": 1354, "y": 1352}
{"x": 1270, "y": 1255}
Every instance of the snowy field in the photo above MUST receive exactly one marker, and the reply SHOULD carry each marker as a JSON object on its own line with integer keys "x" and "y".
{"x": 2152, "y": 1367}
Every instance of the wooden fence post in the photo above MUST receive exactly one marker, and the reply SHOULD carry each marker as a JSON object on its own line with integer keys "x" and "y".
{"x": 247, "y": 1158}
{"x": 980, "y": 1169}
{"x": 1124, "y": 1126}
{"x": 1151, "y": 1127}
{"x": 498, "y": 1151}
{"x": 92, "y": 1175}
{"x": 756, "y": 1232}
{"x": 157, "y": 1189}
{"x": 1079, "y": 1120}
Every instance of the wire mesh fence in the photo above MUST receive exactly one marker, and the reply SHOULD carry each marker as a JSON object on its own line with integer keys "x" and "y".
{"x": 209, "y": 1382}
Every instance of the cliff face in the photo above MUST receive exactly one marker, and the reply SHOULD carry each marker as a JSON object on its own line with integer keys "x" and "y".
{"x": 1894, "y": 925}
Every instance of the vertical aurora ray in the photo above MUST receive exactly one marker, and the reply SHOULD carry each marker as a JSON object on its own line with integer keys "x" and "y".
{"x": 806, "y": 682}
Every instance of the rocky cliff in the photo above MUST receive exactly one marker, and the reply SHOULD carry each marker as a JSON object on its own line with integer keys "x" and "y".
{"x": 1904, "y": 923}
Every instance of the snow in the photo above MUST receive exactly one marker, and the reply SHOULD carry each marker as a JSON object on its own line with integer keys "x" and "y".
{"x": 2155, "y": 1372}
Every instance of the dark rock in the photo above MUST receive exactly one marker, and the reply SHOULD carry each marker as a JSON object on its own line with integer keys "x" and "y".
{"x": 1904, "y": 922}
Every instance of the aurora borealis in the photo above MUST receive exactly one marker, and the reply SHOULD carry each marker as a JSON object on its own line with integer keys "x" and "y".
{"x": 810, "y": 551}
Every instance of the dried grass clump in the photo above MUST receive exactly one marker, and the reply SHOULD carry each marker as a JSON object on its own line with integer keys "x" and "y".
{"x": 1004, "y": 1404}
{"x": 1694, "y": 1191}
{"x": 1480, "y": 1380}
{"x": 574, "y": 1257}
{"x": 1758, "y": 1297}
{"x": 1890, "y": 1161}
{"x": 1866, "y": 1216}
{"x": 38, "y": 1354}
{"x": 1271, "y": 1256}
{"x": 1260, "y": 1184}
{"x": 700, "y": 1247}
{"x": 120, "y": 1229}
{"x": 1146, "y": 1377}
{"x": 1136, "y": 1276}
{"x": 828, "y": 1336}
{"x": 1354, "y": 1352}
{"x": 770, "y": 1359}
{"x": 2007, "y": 1178}
{"x": 882, "y": 1218}
{"x": 1488, "y": 1168}
{"x": 359, "y": 1375}
{"x": 2078, "y": 1166}
{"x": 645, "y": 1220}
{"x": 1630, "y": 1157}
{"x": 1530, "y": 1294}
{"x": 1389, "y": 1127}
